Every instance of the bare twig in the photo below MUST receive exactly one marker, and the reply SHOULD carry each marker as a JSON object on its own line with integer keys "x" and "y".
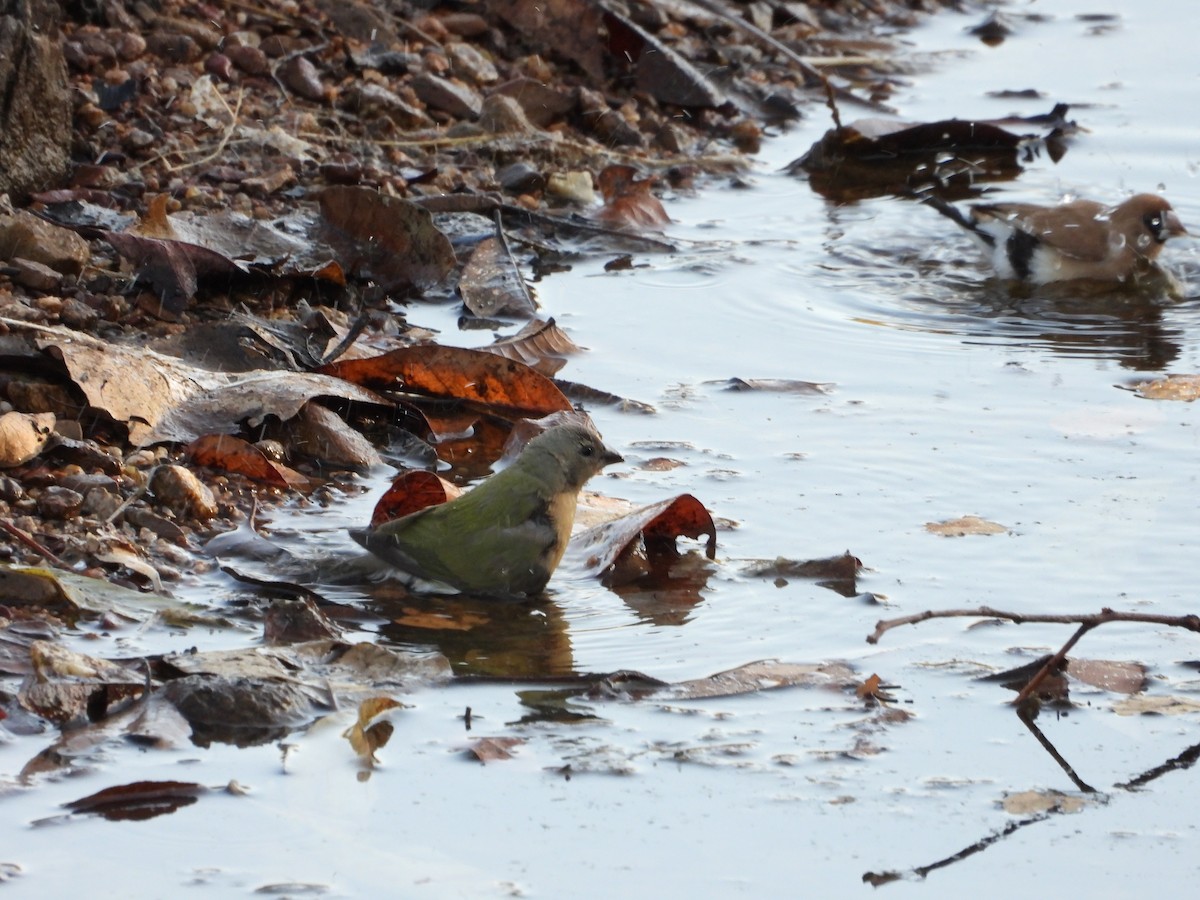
{"x": 29, "y": 541}
{"x": 1190, "y": 622}
{"x": 1052, "y": 664}
{"x": 1027, "y": 721}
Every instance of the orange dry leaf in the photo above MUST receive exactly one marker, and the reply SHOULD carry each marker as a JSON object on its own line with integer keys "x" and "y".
{"x": 657, "y": 524}
{"x": 412, "y": 491}
{"x": 232, "y": 454}
{"x": 503, "y": 386}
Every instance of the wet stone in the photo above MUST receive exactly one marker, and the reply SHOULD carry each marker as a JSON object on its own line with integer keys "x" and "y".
{"x": 59, "y": 503}
{"x": 469, "y": 64}
{"x": 301, "y": 78}
{"x": 250, "y": 60}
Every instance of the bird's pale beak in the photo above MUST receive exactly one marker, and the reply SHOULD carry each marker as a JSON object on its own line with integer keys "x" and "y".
{"x": 611, "y": 456}
{"x": 1174, "y": 226}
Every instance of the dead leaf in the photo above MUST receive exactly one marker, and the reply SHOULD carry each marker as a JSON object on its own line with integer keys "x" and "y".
{"x": 1172, "y": 387}
{"x": 779, "y": 385}
{"x": 658, "y": 524}
{"x": 1118, "y": 676}
{"x": 1156, "y": 705}
{"x": 1027, "y": 803}
{"x": 764, "y": 675}
{"x": 491, "y": 749}
{"x": 539, "y": 345}
{"x": 412, "y": 491}
{"x": 628, "y": 201}
{"x": 954, "y": 158}
{"x": 232, "y": 454}
{"x": 492, "y": 286}
{"x": 504, "y": 386}
{"x": 966, "y": 525}
{"x": 385, "y": 239}
{"x": 369, "y": 731}
{"x": 139, "y": 800}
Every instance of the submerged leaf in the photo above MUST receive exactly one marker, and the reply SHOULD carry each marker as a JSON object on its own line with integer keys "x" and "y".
{"x": 139, "y": 800}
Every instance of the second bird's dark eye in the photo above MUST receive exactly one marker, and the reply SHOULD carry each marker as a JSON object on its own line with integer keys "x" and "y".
{"x": 586, "y": 450}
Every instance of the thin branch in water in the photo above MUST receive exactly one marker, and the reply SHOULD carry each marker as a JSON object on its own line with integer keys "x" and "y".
{"x": 1190, "y": 622}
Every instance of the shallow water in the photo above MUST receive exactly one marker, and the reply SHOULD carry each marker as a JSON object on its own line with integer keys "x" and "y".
{"x": 951, "y": 397}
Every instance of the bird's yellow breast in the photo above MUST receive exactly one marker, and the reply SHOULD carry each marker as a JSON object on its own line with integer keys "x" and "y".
{"x": 561, "y": 511}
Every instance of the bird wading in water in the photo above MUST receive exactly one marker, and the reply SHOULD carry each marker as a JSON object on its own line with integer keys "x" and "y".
{"x": 1078, "y": 240}
{"x": 506, "y": 536}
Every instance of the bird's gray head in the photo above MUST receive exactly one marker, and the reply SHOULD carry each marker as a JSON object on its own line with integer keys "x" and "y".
{"x": 573, "y": 451}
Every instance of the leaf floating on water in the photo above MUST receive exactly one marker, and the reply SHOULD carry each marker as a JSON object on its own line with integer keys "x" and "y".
{"x": 1173, "y": 387}
{"x": 1118, "y": 676}
{"x": 966, "y": 525}
{"x": 370, "y": 731}
{"x": 658, "y": 524}
{"x": 1032, "y": 802}
{"x": 539, "y": 345}
{"x": 628, "y": 201}
{"x": 139, "y": 800}
{"x": 762, "y": 676}
{"x": 490, "y": 749}
{"x": 1156, "y": 705}
{"x": 778, "y": 385}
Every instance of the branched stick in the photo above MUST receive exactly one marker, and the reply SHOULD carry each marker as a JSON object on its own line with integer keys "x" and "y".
{"x": 1190, "y": 622}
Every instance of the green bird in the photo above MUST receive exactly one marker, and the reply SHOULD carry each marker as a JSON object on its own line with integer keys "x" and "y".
{"x": 506, "y": 536}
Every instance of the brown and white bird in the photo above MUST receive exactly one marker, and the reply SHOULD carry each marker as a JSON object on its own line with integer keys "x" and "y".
{"x": 1081, "y": 239}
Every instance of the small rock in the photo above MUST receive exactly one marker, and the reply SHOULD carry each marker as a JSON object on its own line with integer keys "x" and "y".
{"x": 375, "y": 101}
{"x": 85, "y": 481}
{"x": 23, "y": 436}
{"x": 173, "y": 47}
{"x": 441, "y": 93}
{"x": 60, "y": 503}
{"x": 24, "y": 235}
{"x": 301, "y": 78}
{"x": 266, "y": 184}
{"x": 463, "y": 24}
{"x": 469, "y": 64}
{"x": 219, "y": 65}
{"x": 521, "y": 178}
{"x": 542, "y": 103}
{"x": 10, "y": 490}
{"x": 504, "y": 115}
{"x": 35, "y": 275}
{"x": 183, "y": 493}
{"x": 77, "y": 315}
{"x": 576, "y": 186}
{"x": 100, "y": 504}
{"x": 250, "y": 60}
{"x": 130, "y": 46}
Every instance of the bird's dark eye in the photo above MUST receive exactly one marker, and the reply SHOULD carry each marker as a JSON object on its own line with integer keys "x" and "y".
{"x": 1154, "y": 222}
{"x": 586, "y": 449}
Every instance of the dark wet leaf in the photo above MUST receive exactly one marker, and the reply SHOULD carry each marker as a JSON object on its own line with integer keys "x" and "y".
{"x": 385, "y": 239}
{"x": 139, "y": 800}
{"x": 838, "y": 573}
{"x": 491, "y": 285}
{"x": 765, "y": 675}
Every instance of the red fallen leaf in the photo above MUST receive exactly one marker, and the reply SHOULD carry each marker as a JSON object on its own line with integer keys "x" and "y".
{"x": 504, "y": 386}
{"x": 412, "y": 491}
{"x": 139, "y": 800}
{"x": 232, "y": 454}
{"x": 628, "y": 202}
{"x": 657, "y": 524}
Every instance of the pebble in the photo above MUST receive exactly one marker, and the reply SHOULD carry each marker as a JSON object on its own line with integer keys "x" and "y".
{"x": 180, "y": 491}
{"x": 441, "y": 93}
{"x": 301, "y": 78}
{"x": 60, "y": 503}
